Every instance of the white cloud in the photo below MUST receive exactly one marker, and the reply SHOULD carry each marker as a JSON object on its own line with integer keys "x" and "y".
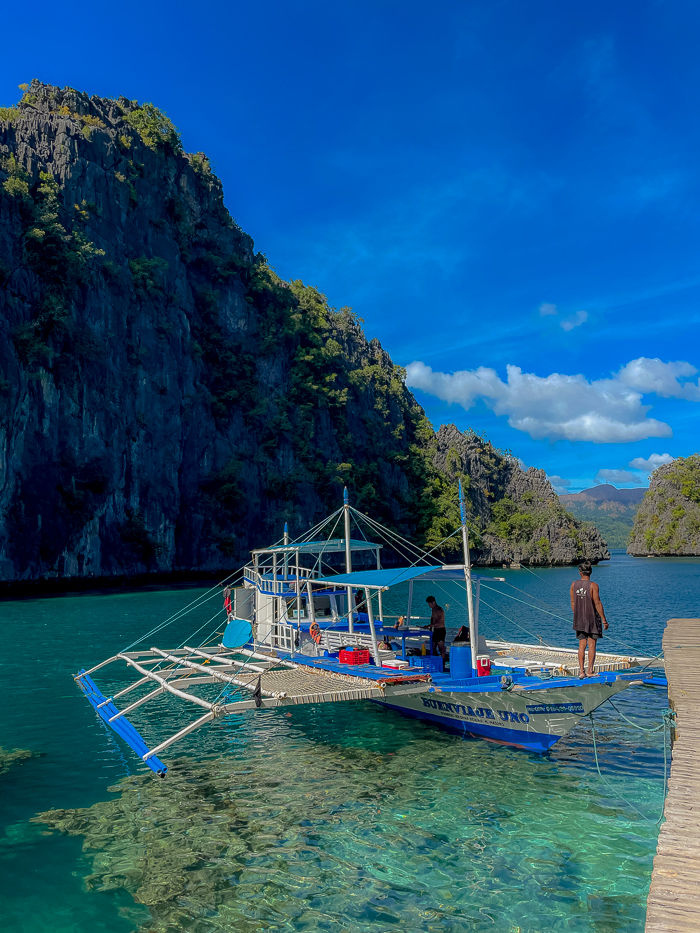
{"x": 651, "y": 463}
{"x": 558, "y": 406}
{"x": 663, "y": 379}
{"x": 576, "y": 320}
{"x": 616, "y": 476}
{"x": 546, "y": 309}
{"x": 559, "y": 483}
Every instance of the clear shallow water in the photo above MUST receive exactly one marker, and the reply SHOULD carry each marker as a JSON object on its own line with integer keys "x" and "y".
{"x": 328, "y": 818}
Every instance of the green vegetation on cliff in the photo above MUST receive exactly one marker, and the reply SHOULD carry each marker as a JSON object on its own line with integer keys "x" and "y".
{"x": 668, "y": 520}
{"x": 184, "y": 399}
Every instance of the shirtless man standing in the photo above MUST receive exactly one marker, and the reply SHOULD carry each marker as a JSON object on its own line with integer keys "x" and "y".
{"x": 589, "y": 616}
{"x": 437, "y": 625}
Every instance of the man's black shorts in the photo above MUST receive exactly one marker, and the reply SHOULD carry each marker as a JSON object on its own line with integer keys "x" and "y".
{"x": 439, "y": 634}
{"x": 583, "y": 635}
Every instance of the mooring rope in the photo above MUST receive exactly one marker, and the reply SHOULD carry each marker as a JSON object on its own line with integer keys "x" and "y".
{"x": 667, "y": 717}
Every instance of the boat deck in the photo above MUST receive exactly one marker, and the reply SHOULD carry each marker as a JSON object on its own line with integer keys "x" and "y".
{"x": 562, "y": 660}
{"x": 384, "y": 677}
{"x": 317, "y": 680}
{"x": 673, "y": 905}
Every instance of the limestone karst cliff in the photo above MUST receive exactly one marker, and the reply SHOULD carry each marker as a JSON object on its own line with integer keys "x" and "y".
{"x": 668, "y": 520}
{"x": 167, "y": 402}
{"x": 515, "y": 514}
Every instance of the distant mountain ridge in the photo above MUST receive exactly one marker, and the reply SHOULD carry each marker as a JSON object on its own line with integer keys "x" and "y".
{"x": 610, "y": 509}
{"x": 606, "y": 494}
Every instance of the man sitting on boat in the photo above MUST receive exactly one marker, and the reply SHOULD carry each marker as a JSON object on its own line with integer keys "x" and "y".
{"x": 437, "y": 626}
{"x": 589, "y": 617}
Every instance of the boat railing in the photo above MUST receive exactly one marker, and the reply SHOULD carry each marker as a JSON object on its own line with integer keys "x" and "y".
{"x": 282, "y": 636}
{"x": 278, "y": 584}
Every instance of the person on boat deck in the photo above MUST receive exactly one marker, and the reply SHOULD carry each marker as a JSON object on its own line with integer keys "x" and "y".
{"x": 437, "y": 626}
{"x": 589, "y": 616}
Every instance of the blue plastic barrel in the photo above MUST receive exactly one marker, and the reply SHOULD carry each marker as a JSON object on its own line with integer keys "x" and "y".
{"x": 461, "y": 662}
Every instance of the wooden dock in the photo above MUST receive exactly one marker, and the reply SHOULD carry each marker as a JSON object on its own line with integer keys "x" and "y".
{"x": 673, "y": 905}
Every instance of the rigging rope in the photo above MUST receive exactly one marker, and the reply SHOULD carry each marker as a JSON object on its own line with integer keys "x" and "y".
{"x": 614, "y": 638}
{"x": 517, "y": 625}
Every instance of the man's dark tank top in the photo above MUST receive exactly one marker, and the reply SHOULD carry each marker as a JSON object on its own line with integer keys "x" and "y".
{"x": 586, "y": 619}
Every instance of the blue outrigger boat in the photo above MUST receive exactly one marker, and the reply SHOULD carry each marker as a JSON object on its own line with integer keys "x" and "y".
{"x": 295, "y": 631}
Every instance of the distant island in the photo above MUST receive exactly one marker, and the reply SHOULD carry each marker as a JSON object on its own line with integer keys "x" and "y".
{"x": 667, "y": 523}
{"x": 167, "y": 402}
{"x": 611, "y": 510}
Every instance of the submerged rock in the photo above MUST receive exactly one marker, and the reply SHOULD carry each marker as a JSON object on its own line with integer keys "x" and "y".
{"x": 8, "y": 757}
{"x": 300, "y": 830}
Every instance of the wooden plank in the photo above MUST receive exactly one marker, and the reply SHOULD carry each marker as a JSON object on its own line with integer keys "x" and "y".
{"x": 673, "y": 905}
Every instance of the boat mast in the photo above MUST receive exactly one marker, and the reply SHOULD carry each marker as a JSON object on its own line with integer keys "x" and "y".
{"x": 348, "y": 554}
{"x": 473, "y": 632}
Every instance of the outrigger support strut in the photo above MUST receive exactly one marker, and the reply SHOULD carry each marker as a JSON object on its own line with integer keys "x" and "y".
{"x": 281, "y": 682}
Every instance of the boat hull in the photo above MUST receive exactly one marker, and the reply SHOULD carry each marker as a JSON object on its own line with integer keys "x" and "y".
{"x": 529, "y": 719}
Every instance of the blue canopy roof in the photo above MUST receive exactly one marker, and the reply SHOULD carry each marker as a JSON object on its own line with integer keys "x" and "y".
{"x": 396, "y": 575}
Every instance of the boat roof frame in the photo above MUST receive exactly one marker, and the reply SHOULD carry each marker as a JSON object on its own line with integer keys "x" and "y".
{"x": 331, "y": 545}
{"x": 388, "y": 577}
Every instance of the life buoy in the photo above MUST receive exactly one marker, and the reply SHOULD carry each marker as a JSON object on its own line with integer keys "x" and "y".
{"x": 315, "y": 632}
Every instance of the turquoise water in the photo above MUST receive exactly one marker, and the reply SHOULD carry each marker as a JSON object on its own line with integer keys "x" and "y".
{"x": 342, "y": 818}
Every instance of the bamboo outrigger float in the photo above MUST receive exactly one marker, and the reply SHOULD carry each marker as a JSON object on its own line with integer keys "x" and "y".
{"x": 292, "y": 624}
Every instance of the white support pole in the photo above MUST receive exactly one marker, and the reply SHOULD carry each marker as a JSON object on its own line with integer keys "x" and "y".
{"x": 97, "y": 667}
{"x": 181, "y": 734}
{"x": 477, "y": 603}
{"x": 380, "y": 604}
{"x": 298, "y": 584}
{"x": 310, "y": 598}
{"x": 178, "y": 693}
{"x": 127, "y": 709}
{"x": 216, "y": 675}
{"x": 228, "y": 661}
{"x": 121, "y": 693}
{"x": 286, "y": 555}
{"x": 468, "y": 579}
{"x": 348, "y": 556}
{"x": 370, "y": 614}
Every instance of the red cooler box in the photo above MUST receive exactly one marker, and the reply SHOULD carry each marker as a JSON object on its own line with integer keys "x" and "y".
{"x": 483, "y": 665}
{"x": 353, "y": 656}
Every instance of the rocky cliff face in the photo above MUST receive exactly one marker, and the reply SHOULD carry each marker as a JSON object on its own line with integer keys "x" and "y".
{"x": 166, "y": 401}
{"x": 515, "y": 513}
{"x": 668, "y": 520}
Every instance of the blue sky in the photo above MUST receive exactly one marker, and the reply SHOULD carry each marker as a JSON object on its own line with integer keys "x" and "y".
{"x": 504, "y": 191}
